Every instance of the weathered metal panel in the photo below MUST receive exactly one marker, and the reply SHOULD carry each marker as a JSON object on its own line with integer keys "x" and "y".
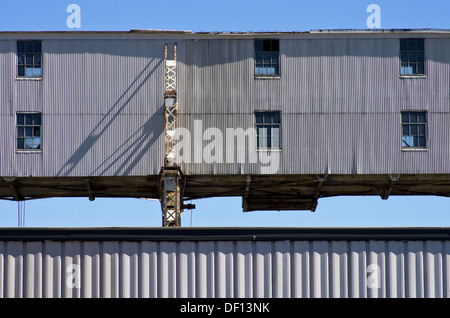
{"x": 223, "y": 267}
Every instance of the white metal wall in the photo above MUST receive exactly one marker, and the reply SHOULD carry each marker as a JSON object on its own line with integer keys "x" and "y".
{"x": 225, "y": 269}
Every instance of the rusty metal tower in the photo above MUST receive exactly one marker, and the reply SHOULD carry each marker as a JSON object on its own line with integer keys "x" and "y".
{"x": 171, "y": 178}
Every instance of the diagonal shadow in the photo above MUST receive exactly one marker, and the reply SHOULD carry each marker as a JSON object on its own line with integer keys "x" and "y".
{"x": 108, "y": 119}
{"x": 138, "y": 143}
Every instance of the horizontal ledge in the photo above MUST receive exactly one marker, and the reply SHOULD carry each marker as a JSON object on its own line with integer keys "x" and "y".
{"x": 224, "y": 234}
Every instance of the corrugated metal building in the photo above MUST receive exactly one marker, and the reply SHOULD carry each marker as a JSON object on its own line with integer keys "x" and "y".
{"x": 225, "y": 263}
{"x": 339, "y": 95}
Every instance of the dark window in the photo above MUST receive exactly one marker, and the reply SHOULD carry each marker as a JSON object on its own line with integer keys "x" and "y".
{"x": 412, "y": 56}
{"x": 268, "y": 126}
{"x": 29, "y": 131}
{"x": 29, "y": 55}
{"x": 414, "y": 129}
{"x": 266, "y": 57}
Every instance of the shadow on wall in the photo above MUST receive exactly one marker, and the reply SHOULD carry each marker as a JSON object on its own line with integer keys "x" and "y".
{"x": 131, "y": 151}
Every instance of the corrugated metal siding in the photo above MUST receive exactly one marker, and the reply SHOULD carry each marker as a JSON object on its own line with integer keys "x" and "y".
{"x": 285, "y": 268}
{"x": 340, "y": 96}
{"x": 340, "y": 101}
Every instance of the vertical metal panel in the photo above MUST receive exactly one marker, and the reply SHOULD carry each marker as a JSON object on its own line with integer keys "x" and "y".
{"x": 264, "y": 266}
{"x": 110, "y": 269}
{"x": 320, "y": 269}
{"x": 301, "y": 269}
{"x": 244, "y": 270}
{"x": 225, "y": 272}
{"x": 358, "y": 266}
{"x": 33, "y": 270}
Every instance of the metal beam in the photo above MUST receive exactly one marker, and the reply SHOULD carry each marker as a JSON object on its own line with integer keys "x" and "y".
{"x": 393, "y": 180}
{"x": 90, "y": 191}
{"x": 321, "y": 179}
{"x": 14, "y": 191}
{"x": 248, "y": 180}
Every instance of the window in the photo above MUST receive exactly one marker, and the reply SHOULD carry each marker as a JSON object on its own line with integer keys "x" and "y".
{"x": 268, "y": 130}
{"x": 414, "y": 127}
{"x": 412, "y": 57}
{"x": 266, "y": 58}
{"x": 29, "y": 54}
{"x": 29, "y": 131}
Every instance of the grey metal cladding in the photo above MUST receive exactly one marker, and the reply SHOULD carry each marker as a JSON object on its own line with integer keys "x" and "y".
{"x": 340, "y": 96}
{"x": 340, "y": 99}
{"x": 243, "y": 268}
{"x": 102, "y": 109}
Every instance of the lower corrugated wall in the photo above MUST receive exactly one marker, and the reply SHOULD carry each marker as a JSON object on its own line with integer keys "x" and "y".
{"x": 227, "y": 263}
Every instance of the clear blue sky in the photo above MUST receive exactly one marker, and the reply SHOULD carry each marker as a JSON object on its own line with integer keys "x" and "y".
{"x": 201, "y": 15}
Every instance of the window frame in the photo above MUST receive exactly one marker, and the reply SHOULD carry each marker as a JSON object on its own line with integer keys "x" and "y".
{"x": 258, "y": 148}
{"x": 414, "y": 148}
{"x": 417, "y": 75}
{"x": 33, "y": 64}
{"x": 255, "y": 52}
{"x": 24, "y": 125}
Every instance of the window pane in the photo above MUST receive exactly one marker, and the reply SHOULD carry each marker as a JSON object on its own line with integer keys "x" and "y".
{"x": 420, "y": 68}
{"x": 405, "y": 69}
{"x": 414, "y": 130}
{"x": 267, "y": 58}
{"x": 405, "y": 141}
{"x": 413, "y": 117}
{"x": 405, "y": 117}
{"x": 422, "y": 130}
{"x": 275, "y": 45}
{"x": 37, "y": 59}
{"x": 276, "y": 131}
{"x": 20, "y": 119}
{"x": 422, "y": 142}
{"x": 276, "y": 117}
{"x": 28, "y": 131}
{"x": 28, "y": 143}
{"x": 20, "y": 46}
{"x": 421, "y": 44}
{"x": 403, "y": 44}
{"x": 404, "y": 57}
{"x": 20, "y": 143}
{"x": 37, "y": 119}
{"x": 29, "y": 71}
{"x": 20, "y": 131}
{"x": 267, "y": 118}
{"x": 29, "y": 59}
{"x": 405, "y": 130}
{"x": 412, "y": 57}
{"x": 28, "y": 119}
{"x": 412, "y": 44}
{"x": 37, "y": 71}
{"x": 37, "y": 131}
{"x": 21, "y": 71}
{"x": 258, "y": 45}
{"x": 275, "y": 142}
{"x": 267, "y": 45}
{"x": 29, "y": 47}
{"x": 415, "y": 141}
{"x": 259, "y": 69}
{"x": 421, "y": 117}
{"x": 412, "y": 69}
{"x": 420, "y": 57}
{"x": 21, "y": 59}
{"x": 259, "y": 118}
{"x": 37, "y": 46}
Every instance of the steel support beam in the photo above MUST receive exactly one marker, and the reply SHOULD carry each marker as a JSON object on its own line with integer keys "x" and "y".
{"x": 321, "y": 179}
{"x": 171, "y": 180}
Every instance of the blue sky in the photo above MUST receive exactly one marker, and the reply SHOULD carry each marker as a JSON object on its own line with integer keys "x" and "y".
{"x": 200, "y": 15}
